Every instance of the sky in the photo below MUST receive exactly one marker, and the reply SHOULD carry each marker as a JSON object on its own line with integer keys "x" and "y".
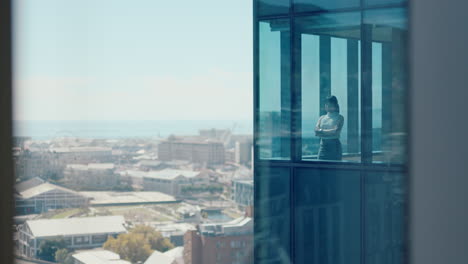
{"x": 132, "y": 60}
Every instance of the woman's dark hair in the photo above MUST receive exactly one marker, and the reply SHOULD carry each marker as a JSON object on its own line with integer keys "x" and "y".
{"x": 332, "y": 100}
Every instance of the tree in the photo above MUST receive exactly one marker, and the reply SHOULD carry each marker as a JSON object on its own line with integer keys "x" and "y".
{"x": 132, "y": 247}
{"x": 63, "y": 256}
{"x": 123, "y": 188}
{"x": 155, "y": 239}
{"x": 48, "y": 248}
{"x": 138, "y": 244}
{"x": 204, "y": 214}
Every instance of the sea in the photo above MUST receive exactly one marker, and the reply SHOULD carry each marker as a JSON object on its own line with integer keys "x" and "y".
{"x": 111, "y": 129}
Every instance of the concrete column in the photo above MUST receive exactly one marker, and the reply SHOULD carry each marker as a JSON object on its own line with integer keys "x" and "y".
{"x": 386, "y": 95}
{"x": 285, "y": 126}
{"x": 325, "y": 71}
{"x": 353, "y": 96}
{"x": 366, "y": 93}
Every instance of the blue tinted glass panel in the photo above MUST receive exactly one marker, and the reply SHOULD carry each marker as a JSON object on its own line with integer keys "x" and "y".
{"x": 274, "y": 95}
{"x": 327, "y": 216}
{"x": 318, "y": 5}
{"x": 383, "y": 2}
{"x": 385, "y": 203}
{"x": 329, "y": 64}
{"x": 272, "y": 209}
{"x": 389, "y": 83}
{"x": 272, "y": 7}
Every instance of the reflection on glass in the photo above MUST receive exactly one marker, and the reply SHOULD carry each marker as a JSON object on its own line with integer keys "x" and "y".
{"x": 274, "y": 111}
{"x": 348, "y": 99}
{"x": 327, "y": 216}
{"x": 272, "y": 206}
{"x": 319, "y": 5}
{"x": 330, "y": 65}
{"x": 385, "y": 202}
{"x": 328, "y": 129}
{"x": 383, "y": 2}
{"x": 389, "y": 82}
{"x": 273, "y": 7}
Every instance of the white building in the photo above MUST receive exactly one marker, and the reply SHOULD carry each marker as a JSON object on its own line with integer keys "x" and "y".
{"x": 172, "y": 181}
{"x": 36, "y": 197}
{"x": 98, "y": 257}
{"x": 173, "y": 256}
{"x": 78, "y": 233}
{"x": 127, "y": 198}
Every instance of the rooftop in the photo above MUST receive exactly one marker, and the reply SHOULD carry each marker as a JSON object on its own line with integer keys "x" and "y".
{"x": 191, "y": 140}
{"x": 133, "y": 173}
{"x": 24, "y": 185}
{"x": 159, "y": 258}
{"x": 175, "y": 252}
{"x": 102, "y": 198}
{"x": 99, "y": 257}
{"x": 76, "y": 226}
{"x": 91, "y": 166}
{"x": 43, "y": 188}
{"x": 174, "y": 228}
{"x": 172, "y": 256}
{"x": 239, "y": 226}
{"x": 170, "y": 174}
{"x": 80, "y": 149}
{"x": 244, "y": 181}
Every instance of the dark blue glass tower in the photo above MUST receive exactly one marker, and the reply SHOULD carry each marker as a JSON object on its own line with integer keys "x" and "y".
{"x": 309, "y": 209}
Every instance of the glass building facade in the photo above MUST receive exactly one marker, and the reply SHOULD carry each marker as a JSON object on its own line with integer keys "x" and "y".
{"x": 310, "y": 208}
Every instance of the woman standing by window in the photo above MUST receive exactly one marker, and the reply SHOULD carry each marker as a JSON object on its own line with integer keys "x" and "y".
{"x": 328, "y": 128}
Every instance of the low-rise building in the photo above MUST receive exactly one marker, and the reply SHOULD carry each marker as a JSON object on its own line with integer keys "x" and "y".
{"x": 99, "y": 256}
{"x": 50, "y": 162}
{"x": 78, "y": 233}
{"x": 19, "y": 141}
{"x": 83, "y": 155}
{"x": 172, "y": 181}
{"x": 94, "y": 176}
{"x": 230, "y": 242}
{"x": 174, "y": 231}
{"x": 197, "y": 151}
{"x": 127, "y": 198}
{"x": 24, "y": 185}
{"x": 243, "y": 152}
{"x": 213, "y": 133}
{"x": 35, "y": 197}
{"x": 134, "y": 177}
{"x": 37, "y": 163}
{"x": 230, "y": 156}
{"x": 173, "y": 256}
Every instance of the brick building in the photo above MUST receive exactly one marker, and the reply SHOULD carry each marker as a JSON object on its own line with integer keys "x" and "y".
{"x": 230, "y": 242}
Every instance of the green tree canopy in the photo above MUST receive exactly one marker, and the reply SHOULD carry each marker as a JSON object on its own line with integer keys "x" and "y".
{"x": 132, "y": 247}
{"x": 48, "y": 247}
{"x": 155, "y": 239}
{"x": 138, "y": 244}
{"x": 63, "y": 256}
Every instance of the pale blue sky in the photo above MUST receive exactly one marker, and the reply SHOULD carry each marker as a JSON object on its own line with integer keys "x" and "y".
{"x": 133, "y": 60}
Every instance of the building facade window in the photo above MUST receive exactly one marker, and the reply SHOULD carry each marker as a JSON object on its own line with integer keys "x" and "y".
{"x": 330, "y": 172}
{"x": 274, "y": 107}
